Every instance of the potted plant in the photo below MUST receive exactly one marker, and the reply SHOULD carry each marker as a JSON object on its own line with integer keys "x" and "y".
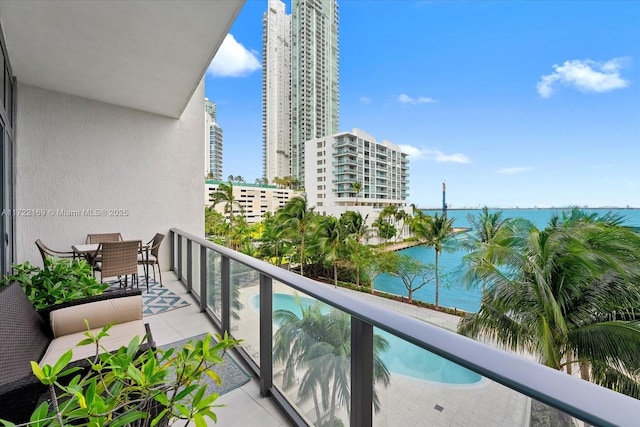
{"x": 128, "y": 387}
{"x": 60, "y": 281}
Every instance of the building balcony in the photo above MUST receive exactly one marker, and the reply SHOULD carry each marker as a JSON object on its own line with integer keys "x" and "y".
{"x": 237, "y": 293}
{"x": 149, "y": 171}
{"x": 345, "y": 161}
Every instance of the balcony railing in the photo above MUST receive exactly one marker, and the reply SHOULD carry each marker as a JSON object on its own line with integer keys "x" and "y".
{"x": 240, "y": 294}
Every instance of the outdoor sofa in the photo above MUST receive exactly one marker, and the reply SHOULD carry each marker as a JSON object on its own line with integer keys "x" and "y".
{"x": 28, "y": 335}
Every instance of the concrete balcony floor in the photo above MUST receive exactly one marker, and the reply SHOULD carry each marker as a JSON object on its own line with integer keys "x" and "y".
{"x": 243, "y": 406}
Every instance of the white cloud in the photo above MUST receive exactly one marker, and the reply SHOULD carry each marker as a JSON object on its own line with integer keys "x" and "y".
{"x": 585, "y": 75}
{"x": 413, "y": 152}
{"x": 406, "y": 99}
{"x": 436, "y": 155}
{"x": 365, "y": 100}
{"x": 514, "y": 170}
{"x": 233, "y": 60}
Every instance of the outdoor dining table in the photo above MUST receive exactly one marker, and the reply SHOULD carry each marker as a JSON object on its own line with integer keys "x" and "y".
{"x": 90, "y": 250}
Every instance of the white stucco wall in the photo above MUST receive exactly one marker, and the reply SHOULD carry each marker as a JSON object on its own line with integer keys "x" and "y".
{"x": 73, "y": 154}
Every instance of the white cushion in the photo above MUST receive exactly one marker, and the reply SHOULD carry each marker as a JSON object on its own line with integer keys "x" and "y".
{"x": 70, "y": 320}
{"x": 119, "y": 335}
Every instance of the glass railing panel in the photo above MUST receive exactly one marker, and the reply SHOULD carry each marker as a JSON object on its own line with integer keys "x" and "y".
{"x": 214, "y": 283}
{"x": 312, "y": 360}
{"x": 245, "y": 283}
{"x": 542, "y": 415}
{"x": 195, "y": 269}
{"x": 426, "y": 389}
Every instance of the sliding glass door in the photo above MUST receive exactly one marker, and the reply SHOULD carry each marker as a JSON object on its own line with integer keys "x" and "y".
{"x": 7, "y": 175}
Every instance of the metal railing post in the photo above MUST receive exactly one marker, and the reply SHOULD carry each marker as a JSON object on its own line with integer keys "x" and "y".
{"x": 266, "y": 334}
{"x": 204, "y": 290}
{"x": 361, "y": 373}
{"x": 172, "y": 237}
{"x": 225, "y": 292}
{"x": 189, "y": 266}
{"x": 179, "y": 266}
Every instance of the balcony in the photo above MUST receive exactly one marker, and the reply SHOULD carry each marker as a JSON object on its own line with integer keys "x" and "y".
{"x": 83, "y": 91}
{"x": 219, "y": 278}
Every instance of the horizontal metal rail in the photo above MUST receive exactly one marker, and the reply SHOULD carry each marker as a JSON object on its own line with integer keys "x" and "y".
{"x": 589, "y": 402}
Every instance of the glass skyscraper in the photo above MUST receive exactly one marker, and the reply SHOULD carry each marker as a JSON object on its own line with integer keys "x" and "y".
{"x": 314, "y": 83}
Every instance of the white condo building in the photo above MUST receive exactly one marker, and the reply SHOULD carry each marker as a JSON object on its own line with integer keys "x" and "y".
{"x": 255, "y": 199}
{"x": 212, "y": 142}
{"x": 276, "y": 91}
{"x": 335, "y": 162}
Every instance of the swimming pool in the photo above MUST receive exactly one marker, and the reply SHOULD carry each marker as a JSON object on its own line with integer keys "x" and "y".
{"x": 402, "y": 358}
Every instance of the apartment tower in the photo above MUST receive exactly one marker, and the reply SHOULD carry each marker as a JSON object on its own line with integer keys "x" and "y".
{"x": 338, "y": 161}
{"x": 276, "y": 91}
{"x": 314, "y": 76}
{"x": 300, "y": 85}
{"x": 212, "y": 142}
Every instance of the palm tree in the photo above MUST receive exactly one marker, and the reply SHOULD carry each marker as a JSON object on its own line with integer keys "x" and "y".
{"x": 297, "y": 217}
{"x": 487, "y": 225}
{"x": 434, "y": 231}
{"x": 484, "y": 228}
{"x": 273, "y": 245}
{"x": 224, "y": 195}
{"x": 385, "y": 230}
{"x": 357, "y": 187}
{"x": 568, "y": 293}
{"x": 330, "y": 234}
{"x": 355, "y": 225}
{"x": 319, "y": 344}
{"x": 401, "y": 216}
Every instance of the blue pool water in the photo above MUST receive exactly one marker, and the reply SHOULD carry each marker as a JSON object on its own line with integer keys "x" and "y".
{"x": 451, "y": 292}
{"x": 402, "y": 357}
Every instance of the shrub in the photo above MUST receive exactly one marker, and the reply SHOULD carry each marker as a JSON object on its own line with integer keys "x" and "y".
{"x": 60, "y": 281}
{"x": 130, "y": 387}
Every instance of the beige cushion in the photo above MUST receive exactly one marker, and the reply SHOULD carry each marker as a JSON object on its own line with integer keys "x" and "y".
{"x": 70, "y": 320}
{"x": 119, "y": 335}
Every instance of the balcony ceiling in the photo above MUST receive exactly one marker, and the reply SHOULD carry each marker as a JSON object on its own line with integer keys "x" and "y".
{"x": 145, "y": 55}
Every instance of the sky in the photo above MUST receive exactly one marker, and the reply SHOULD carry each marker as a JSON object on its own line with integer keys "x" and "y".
{"x": 510, "y": 103}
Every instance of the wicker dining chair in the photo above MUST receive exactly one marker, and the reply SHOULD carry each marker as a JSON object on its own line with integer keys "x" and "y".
{"x": 153, "y": 258}
{"x": 104, "y": 237}
{"x": 101, "y": 238}
{"x": 48, "y": 253}
{"x": 118, "y": 259}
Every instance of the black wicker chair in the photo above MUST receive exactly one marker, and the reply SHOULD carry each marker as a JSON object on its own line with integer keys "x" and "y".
{"x": 25, "y": 335}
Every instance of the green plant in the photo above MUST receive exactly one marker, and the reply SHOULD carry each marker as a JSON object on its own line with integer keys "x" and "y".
{"x": 130, "y": 387}
{"x": 60, "y": 281}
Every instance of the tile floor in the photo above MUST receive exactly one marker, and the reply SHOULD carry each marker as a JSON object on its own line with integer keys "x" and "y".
{"x": 243, "y": 406}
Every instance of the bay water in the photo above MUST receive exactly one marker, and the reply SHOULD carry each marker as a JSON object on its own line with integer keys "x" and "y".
{"x": 452, "y": 293}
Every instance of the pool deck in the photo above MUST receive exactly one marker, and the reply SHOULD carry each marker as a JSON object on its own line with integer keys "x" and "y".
{"x": 409, "y": 401}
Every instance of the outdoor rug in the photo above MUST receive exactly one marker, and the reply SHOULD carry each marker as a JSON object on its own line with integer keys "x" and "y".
{"x": 230, "y": 372}
{"x": 158, "y": 300}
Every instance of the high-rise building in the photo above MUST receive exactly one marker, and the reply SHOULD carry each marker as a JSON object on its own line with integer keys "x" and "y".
{"x": 212, "y": 142}
{"x": 276, "y": 91}
{"x": 314, "y": 76}
{"x": 300, "y": 84}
